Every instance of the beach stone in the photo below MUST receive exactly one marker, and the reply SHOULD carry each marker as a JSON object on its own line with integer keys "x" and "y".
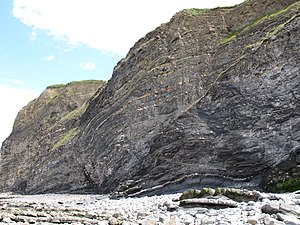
{"x": 252, "y": 220}
{"x": 206, "y": 202}
{"x": 31, "y": 221}
{"x": 200, "y": 216}
{"x": 149, "y": 222}
{"x": 171, "y": 206}
{"x": 283, "y": 207}
{"x": 119, "y": 213}
{"x": 142, "y": 214}
{"x": 114, "y": 221}
{"x": 42, "y": 214}
{"x": 207, "y": 220}
{"x": 276, "y": 222}
{"x": 91, "y": 215}
{"x": 288, "y": 219}
{"x": 162, "y": 218}
{"x": 32, "y": 213}
{"x": 103, "y": 222}
{"x": 173, "y": 220}
{"x": 198, "y": 221}
{"x": 270, "y": 208}
{"x": 268, "y": 220}
{"x": 6, "y": 219}
{"x": 187, "y": 219}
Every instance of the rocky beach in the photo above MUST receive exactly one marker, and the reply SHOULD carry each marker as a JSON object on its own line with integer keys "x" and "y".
{"x": 209, "y": 99}
{"x": 266, "y": 209}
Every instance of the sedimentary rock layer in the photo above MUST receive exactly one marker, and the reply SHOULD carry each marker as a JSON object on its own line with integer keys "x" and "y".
{"x": 208, "y": 99}
{"x": 40, "y": 134}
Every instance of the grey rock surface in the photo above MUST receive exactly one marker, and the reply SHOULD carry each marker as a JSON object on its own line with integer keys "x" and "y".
{"x": 41, "y": 131}
{"x": 199, "y": 112}
{"x": 207, "y": 100}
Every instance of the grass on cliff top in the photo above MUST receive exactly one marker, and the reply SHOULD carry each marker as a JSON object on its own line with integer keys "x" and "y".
{"x": 56, "y": 86}
{"x": 78, "y": 82}
{"x": 195, "y": 11}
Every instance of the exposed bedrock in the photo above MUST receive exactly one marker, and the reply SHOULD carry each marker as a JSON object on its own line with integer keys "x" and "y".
{"x": 206, "y": 100}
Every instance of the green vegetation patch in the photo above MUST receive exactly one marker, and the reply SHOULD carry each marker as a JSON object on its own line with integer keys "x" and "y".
{"x": 56, "y": 86}
{"x": 63, "y": 139}
{"x": 230, "y": 37}
{"x": 75, "y": 113}
{"x": 88, "y": 82}
{"x": 288, "y": 185}
{"x": 259, "y": 20}
{"x": 195, "y": 11}
{"x": 78, "y": 82}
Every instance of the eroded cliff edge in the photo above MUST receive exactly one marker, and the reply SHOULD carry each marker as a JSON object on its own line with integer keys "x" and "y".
{"x": 41, "y": 131}
{"x": 204, "y": 100}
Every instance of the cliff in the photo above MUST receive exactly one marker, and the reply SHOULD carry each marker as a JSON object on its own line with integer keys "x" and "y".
{"x": 210, "y": 98}
{"x": 41, "y": 131}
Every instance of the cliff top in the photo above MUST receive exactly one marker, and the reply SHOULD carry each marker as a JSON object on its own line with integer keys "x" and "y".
{"x": 100, "y": 82}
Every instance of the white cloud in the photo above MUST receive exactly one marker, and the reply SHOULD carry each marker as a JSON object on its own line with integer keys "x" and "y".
{"x": 49, "y": 58}
{"x": 88, "y": 66}
{"x": 15, "y": 81}
{"x": 110, "y": 26}
{"x": 12, "y": 99}
{"x": 32, "y": 36}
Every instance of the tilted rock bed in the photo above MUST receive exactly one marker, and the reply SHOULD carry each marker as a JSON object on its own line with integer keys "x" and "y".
{"x": 210, "y": 100}
{"x": 206, "y": 206}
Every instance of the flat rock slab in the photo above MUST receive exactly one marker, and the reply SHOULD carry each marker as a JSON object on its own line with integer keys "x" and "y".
{"x": 276, "y": 207}
{"x": 206, "y": 202}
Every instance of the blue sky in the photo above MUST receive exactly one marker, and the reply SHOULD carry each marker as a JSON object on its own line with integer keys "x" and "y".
{"x": 45, "y": 42}
{"x": 37, "y": 60}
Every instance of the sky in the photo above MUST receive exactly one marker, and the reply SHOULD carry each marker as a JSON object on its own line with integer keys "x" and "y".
{"x": 46, "y": 42}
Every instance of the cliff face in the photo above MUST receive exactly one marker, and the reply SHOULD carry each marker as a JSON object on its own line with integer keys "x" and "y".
{"x": 211, "y": 99}
{"x": 41, "y": 131}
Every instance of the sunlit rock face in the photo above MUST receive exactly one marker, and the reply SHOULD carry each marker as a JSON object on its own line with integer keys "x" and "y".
{"x": 210, "y": 98}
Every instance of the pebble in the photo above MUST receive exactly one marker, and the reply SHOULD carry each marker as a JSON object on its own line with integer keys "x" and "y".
{"x": 270, "y": 209}
{"x": 252, "y": 220}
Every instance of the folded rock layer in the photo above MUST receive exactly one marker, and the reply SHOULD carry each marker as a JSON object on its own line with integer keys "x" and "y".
{"x": 203, "y": 100}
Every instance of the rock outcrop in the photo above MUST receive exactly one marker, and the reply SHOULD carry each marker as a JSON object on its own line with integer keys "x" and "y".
{"x": 204, "y": 100}
{"x": 41, "y": 131}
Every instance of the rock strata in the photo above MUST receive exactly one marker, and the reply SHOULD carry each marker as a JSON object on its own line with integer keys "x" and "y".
{"x": 41, "y": 131}
{"x": 211, "y": 99}
{"x": 232, "y": 193}
{"x": 204, "y": 110}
